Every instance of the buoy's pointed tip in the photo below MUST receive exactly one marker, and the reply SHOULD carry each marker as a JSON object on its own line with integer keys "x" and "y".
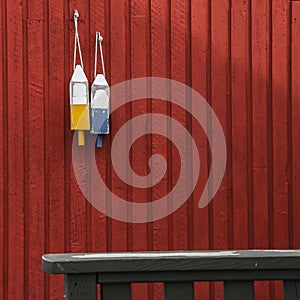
{"x": 100, "y": 81}
{"x": 79, "y": 75}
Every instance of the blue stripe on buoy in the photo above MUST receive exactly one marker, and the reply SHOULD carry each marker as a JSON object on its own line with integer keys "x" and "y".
{"x": 99, "y": 141}
{"x": 100, "y": 121}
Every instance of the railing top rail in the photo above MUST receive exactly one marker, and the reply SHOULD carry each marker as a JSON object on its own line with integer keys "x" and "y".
{"x": 171, "y": 261}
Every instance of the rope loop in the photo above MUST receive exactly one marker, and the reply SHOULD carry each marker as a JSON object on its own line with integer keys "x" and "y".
{"x": 99, "y": 40}
{"x": 76, "y": 40}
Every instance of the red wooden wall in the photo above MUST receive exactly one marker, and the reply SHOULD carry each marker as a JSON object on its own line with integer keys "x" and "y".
{"x": 243, "y": 56}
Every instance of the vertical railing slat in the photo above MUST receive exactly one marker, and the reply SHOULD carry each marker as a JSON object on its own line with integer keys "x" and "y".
{"x": 292, "y": 290}
{"x": 116, "y": 291}
{"x": 238, "y": 290}
{"x": 179, "y": 290}
{"x": 80, "y": 286}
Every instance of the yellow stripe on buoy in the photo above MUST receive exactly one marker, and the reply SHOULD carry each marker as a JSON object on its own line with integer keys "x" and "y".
{"x": 80, "y": 117}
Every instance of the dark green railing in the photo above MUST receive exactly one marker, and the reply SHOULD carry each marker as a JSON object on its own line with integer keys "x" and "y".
{"x": 177, "y": 270}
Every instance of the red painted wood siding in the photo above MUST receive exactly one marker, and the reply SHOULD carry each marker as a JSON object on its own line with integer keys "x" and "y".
{"x": 242, "y": 56}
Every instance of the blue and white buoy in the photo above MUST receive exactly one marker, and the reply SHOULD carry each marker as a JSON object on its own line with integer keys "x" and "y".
{"x": 100, "y": 96}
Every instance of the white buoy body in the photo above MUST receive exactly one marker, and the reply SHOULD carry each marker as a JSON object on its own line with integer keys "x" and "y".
{"x": 100, "y": 106}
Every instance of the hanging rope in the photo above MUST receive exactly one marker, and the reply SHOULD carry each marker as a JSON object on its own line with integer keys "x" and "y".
{"x": 76, "y": 41}
{"x": 99, "y": 39}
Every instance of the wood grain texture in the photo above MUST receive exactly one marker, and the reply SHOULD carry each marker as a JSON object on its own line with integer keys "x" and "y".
{"x": 3, "y": 151}
{"x": 219, "y": 13}
{"x": 262, "y": 135}
{"x": 77, "y": 204}
{"x": 295, "y": 120}
{"x": 36, "y": 158}
{"x": 239, "y": 79}
{"x": 139, "y": 153}
{"x": 220, "y": 62}
{"x": 98, "y": 223}
{"x": 178, "y": 73}
{"x": 279, "y": 221}
{"x": 16, "y": 154}
{"x": 159, "y": 68}
{"x": 119, "y": 233}
{"x": 200, "y": 71}
{"x": 34, "y": 147}
{"x": 55, "y": 164}
{"x": 242, "y": 56}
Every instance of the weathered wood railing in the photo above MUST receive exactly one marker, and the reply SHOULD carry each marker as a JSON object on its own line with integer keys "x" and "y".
{"x": 177, "y": 270}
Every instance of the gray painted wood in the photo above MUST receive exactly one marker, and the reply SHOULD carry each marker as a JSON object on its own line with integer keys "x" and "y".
{"x": 238, "y": 290}
{"x": 172, "y": 261}
{"x": 292, "y": 290}
{"x": 81, "y": 286}
{"x": 119, "y": 277}
{"x": 179, "y": 291}
{"x": 115, "y": 291}
{"x": 179, "y": 269}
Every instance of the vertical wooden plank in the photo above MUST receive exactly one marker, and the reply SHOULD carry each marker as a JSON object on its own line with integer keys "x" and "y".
{"x": 2, "y": 144}
{"x": 16, "y": 172}
{"x": 97, "y": 17}
{"x": 46, "y": 79}
{"x": 159, "y": 20}
{"x": 189, "y": 120}
{"x": 199, "y": 84}
{"x": 128, "y": 74}
{"x": 26, "y": 145}
{"x": 179, "y": 291}
{"x": 54, "y": 140}
{"x": 280, "y": 99}
{"x": 115, "y": 291}
{"x": 239, "y": 39}
{"x": 178, "y": 73}
{"x": 118, "y": 74}
{"x": 77, "y": 204}
{"x": 149, "y": 137}
{"x": 291, "y": 290}
{"x": 260, "y": 84}
{"x": 89, "y": 71}
{"x": 67, "y": 171}
{"x": 139, "y": 148}
{"x": 199, "y": 63}
{"x": 260, "y": 93}
{"x": 107, "y": 52}
{"x": 81, "y": 286}
{"x": 239, "y": 290}
{"x": 36, "y": 156}
{"x": 219, "y": 77}
{"x": 35, "y": 151}
{"x": 295, "y": 63}
{"x": 249, "y": 131}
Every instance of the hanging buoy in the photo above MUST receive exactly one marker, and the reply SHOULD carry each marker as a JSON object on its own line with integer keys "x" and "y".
{"x": 79, "y": 92}
{"x": 99, "y": 99}
{"x": 79, "y": 100}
